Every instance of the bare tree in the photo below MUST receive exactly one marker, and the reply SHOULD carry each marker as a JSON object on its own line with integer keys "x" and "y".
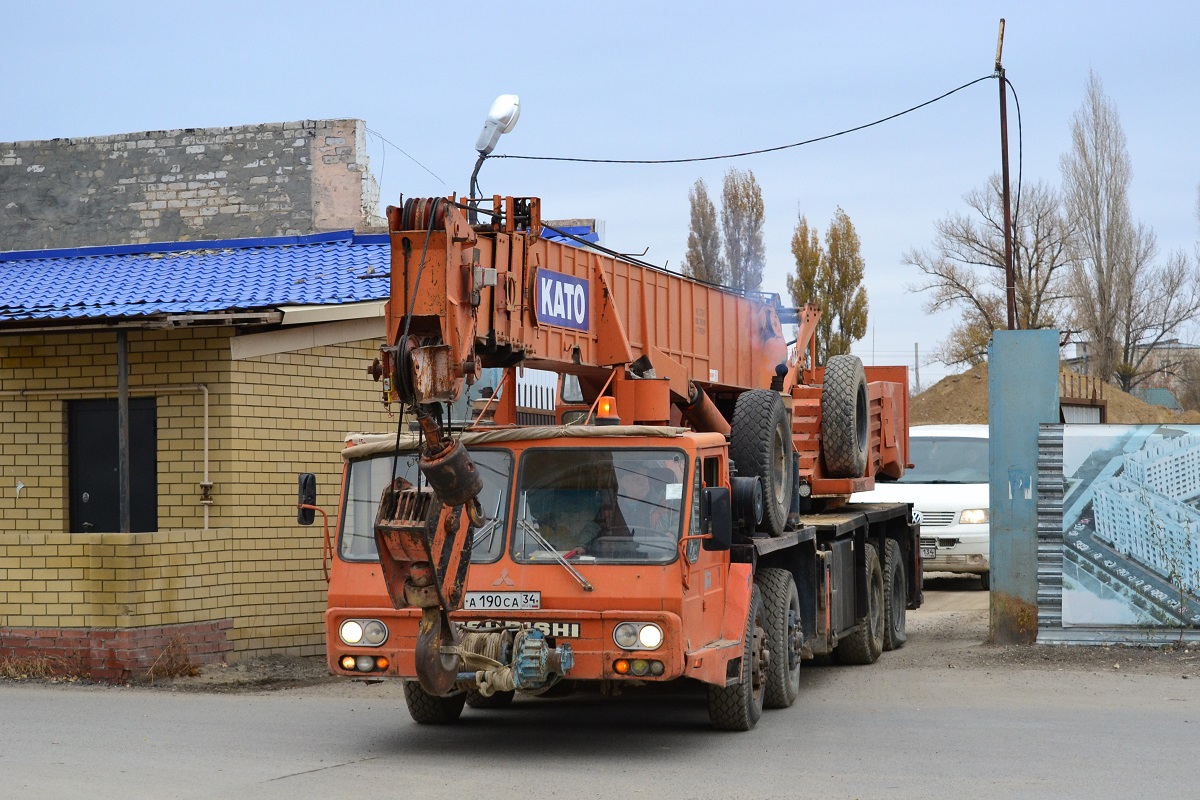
{"x": 1126, "y": 306}
{"x": 742, "y": 224}
{"x": 831, "y": 277}
{"x": 1188, "y": 374}
{"x": 703, "y": 260}
{"x": 965, "y": 269}
{"x": 1162, "y": 301}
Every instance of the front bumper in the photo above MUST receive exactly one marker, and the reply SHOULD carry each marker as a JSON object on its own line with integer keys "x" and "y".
{"x": 959, "y": 549}
{"x": 590, "y": 635}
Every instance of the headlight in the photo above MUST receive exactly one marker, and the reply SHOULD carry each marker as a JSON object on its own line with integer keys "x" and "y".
{"x": 351, "y": 632}
{"x": 650, "y": 637}
{"x": 363, "y": 632}
{"x": 973, "y": 516}
{"x": 375, "y": 632}
{"x": 626, "y": 635}
{"x": 638, "y": 636}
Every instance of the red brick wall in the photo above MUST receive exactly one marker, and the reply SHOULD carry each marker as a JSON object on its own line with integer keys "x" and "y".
{"x": 115, "y": 655}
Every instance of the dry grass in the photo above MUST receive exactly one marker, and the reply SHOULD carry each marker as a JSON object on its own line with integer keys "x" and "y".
{"x": 39, "y": 667}
{"x": 173, "y": 662}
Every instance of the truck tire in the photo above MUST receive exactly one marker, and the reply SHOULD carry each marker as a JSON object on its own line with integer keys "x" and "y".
{"x": 496, "y": 700}
{"x": 785, "y": 636}
{"x": 865, "y": 645}
{"x": 895, "y": 597}
{"x": 739, "y": 707}
{"x": 760, "y": 443}
{"x": 429, "y": 709}
{"x": 845, "y": 433}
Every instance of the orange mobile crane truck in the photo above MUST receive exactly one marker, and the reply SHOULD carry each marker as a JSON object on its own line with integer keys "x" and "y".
{"x": 685, "y": 518}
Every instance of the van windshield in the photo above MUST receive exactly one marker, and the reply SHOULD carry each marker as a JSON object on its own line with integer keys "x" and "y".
{"x": 947, "y": 460}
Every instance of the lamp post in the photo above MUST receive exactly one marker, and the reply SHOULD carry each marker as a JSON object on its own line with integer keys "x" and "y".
{"x": 501, "y": 119}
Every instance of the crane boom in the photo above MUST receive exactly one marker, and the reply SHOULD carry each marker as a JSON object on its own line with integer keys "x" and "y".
{"x": 464, "y": 298}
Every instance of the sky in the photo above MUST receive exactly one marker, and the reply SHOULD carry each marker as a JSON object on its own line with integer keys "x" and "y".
{"x": 641, "y": 80}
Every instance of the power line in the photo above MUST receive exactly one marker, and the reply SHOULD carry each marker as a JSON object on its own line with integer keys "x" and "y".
{"x": 748, "y": 152}
{"x": 1020, "y": 150}
{"x": 406, "y": 155}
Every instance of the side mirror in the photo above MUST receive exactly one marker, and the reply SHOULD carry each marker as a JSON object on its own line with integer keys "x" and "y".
{"x": 716, "y": 517}
{"x": 306, "y": 495}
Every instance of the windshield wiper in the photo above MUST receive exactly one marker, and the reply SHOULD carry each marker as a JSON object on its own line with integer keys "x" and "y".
{"x": 544, "y": 545}
{"x": 488, "y": 529}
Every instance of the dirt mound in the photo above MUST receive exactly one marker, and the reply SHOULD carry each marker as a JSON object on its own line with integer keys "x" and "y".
{"x": 963, "y": 398}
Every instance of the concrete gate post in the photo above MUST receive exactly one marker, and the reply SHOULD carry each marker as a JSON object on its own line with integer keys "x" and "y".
{"x": 1022, "y": 393}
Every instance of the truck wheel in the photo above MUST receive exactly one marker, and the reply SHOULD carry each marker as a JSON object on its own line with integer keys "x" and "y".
{"x": 760, "y": 443}
{"x": 429, "y": 709}
{"x": 844, "y": 420}
{"x": 865, "y": 645}
{"x": 895, "y": 597}
{"x": 475, "y": 699}
{"x": 739, "y": 707}
{"x": 785, "y": 636}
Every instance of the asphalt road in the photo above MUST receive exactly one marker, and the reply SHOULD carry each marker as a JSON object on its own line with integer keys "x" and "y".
{"x": 915, "y": 725}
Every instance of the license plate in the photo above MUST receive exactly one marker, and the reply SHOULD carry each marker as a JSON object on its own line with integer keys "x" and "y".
{"x": 502, "y": 601}
{"x": 928, "y": 553}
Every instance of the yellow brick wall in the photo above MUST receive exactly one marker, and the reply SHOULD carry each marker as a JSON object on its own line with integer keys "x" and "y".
{"x": 270, "y": 417}
{"x": 56, "y": 369}
{"x": 113, "y": 580}
{"x": 289, "y": 413}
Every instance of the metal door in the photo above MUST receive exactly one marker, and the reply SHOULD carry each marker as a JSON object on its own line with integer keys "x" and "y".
{"x": 92, "y": 457}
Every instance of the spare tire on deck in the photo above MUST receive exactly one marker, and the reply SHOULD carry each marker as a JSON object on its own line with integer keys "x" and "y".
{"x": 760, "y": 443}
{"x": 845, "y": 426}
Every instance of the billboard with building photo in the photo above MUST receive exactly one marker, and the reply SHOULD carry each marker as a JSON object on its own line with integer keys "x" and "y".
{"x": 1131, "y": 526}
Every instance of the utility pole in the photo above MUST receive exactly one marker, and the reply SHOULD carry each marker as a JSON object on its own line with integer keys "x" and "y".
{"x": 1009, "y": 276}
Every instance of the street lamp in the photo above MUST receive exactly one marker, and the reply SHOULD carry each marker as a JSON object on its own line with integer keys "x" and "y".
{"x": 501, "y": 119}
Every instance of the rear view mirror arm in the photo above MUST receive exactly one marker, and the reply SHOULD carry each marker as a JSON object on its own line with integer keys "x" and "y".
{"x": 327, "y": 549}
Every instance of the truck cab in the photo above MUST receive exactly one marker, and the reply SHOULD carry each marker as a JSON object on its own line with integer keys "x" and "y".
{"x": 615, "y": 556}
{"x": 598, "y": 540}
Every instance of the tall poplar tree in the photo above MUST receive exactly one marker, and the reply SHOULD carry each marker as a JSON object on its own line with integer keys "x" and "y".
{"x": 831, "y": 277}
{"x": 742, "y": 225}
{"x": 1128, "y": 307}
{"x": 703, "y": 260}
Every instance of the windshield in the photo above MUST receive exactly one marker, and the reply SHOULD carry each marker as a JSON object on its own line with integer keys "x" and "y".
{"x": 596, "y": 505}
{"x": 364, "y": 486}
{"x": 947, "y": 460}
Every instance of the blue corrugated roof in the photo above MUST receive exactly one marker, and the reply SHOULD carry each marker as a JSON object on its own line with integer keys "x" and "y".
{"x": 192, "y": 277}
{"x": 585, "y": 232}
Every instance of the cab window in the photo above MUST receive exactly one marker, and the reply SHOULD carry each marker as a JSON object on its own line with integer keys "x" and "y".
{"x": 368, "y": 477}
{"x": 599, "y": 505}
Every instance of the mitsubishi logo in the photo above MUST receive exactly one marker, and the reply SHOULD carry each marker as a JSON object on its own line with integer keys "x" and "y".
{"x": 503, "y": 580}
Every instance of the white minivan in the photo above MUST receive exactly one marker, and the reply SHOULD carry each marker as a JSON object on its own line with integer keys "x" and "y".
{"x": 948, "y": 486}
